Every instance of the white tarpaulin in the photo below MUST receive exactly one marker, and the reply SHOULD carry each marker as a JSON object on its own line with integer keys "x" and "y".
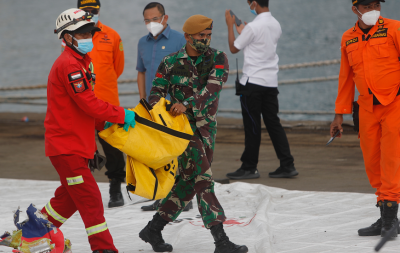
{"x": 266, "y": 219}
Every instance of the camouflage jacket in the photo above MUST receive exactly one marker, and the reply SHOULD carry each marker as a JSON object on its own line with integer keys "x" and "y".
{"x": 199, "y": 83}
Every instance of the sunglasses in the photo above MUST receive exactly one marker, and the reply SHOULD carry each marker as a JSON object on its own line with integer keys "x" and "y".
{"x": 93, "y": 11}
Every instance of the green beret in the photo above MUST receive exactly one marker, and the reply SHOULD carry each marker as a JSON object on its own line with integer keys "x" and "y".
{"x": 197, "y": 23}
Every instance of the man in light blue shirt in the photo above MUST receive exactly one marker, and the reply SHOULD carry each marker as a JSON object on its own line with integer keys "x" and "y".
{"x": 152, "y": 48}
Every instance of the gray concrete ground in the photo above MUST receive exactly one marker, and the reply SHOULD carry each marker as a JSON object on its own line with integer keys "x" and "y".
{"x": 338, "y": 167}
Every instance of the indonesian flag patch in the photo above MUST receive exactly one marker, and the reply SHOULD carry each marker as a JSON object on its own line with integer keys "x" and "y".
{"x": 75, "y": 75}
{"x": 79, "y": 86}
{"x": 159, "y": 75}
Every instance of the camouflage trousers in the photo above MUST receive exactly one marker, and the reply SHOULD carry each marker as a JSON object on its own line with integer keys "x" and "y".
{"x": 201, "y": 185}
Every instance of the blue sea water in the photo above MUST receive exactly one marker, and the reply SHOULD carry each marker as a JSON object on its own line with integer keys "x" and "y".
{"x": 312, "y": 31}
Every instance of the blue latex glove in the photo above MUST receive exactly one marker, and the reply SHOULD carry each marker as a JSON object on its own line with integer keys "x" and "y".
{"x": 129, "y": 120}
{"x": 108, "y": 125}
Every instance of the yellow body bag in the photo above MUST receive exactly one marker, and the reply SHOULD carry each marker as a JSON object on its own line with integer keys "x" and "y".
{"x": 150, "y": 183}
{"x": 157, "y": 138}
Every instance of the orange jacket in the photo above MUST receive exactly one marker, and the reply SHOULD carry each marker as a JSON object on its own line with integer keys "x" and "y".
{"x": 371, "y": 61}
{"x": 108, "y": 63}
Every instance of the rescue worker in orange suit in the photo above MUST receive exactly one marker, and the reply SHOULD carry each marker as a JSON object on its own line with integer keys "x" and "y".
{"x": 370, "y": 61}
{"x": 108, "y": 64}
{"x": 73, "y": 112}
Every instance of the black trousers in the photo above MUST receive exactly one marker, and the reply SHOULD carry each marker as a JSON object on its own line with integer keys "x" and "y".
{"x": 115, "y": 164}
{"x": 263, "y": 101}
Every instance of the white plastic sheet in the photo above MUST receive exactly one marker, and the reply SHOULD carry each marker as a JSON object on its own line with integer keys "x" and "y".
{"x": 266, "y": 219}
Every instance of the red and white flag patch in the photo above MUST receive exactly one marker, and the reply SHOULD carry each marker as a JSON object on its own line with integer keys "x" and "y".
{"x": 75, "y": 75}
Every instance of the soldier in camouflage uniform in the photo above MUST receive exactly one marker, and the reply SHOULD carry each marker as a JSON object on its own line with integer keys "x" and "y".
{"x": 194, "y": 77}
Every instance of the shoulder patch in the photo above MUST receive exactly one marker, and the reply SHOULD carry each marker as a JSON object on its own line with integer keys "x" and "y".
{"x": 79, "y": 86}
{"x": 220, "y": 59}
{"x": 355, "y": 40}
{"x": 381, "y": 33}
{"x": 161, "y": 67}
{"x": 121, "y": 46}
{"x": 75, "y": 75}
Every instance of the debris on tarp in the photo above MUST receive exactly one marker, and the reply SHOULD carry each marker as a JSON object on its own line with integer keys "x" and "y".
{"x": 35, "y": 235}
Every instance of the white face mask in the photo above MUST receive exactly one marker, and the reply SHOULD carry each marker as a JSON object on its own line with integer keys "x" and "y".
{"x": 155, "y": 28}
{"x": 371, "y": 17}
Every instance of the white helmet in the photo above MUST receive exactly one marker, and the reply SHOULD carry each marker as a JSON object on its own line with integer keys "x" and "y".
{"x": 71, "y": 20}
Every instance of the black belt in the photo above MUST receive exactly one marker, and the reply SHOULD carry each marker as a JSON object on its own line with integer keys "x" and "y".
{"x": 375, "y": 100}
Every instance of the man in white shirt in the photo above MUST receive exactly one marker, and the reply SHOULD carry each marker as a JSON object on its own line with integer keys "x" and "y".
{"x": 259, "y": 90}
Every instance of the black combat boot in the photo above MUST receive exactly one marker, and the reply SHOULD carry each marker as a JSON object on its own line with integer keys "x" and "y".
{"x": 389, "y": 218}
{"x": 222, "y": 243}
{"x": 152, "y": 207}
{"x": 374, "y": 229}
{"x": 104, "y": 251}
{"x": 152, "y": 234}
{"x": 116, "y": 198}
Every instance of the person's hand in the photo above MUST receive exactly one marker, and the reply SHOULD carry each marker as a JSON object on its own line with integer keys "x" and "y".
{"x": 177, "y": 109}
{"x": 108, "y": 125}
{"x": 230, "y": 20}
{"x": 336, "y": 125}
{"x": 240, "y": 28}
{"x": 129, "y": 120}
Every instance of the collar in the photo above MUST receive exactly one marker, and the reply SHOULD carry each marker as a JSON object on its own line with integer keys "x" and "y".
{"x": 100, "y": 25}
{"x": 74, "y": 54}
{"x": 182, "y": 54}
{"x": 263, "y": 15}
{"x": 165, "y": 33}
{"x": 379, "y": 24}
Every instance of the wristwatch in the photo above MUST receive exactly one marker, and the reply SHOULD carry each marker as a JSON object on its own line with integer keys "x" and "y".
{"x": 186, "y": 104}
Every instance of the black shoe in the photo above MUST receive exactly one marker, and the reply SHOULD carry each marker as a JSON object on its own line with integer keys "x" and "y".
{"x": 374, "y": 229}
{"x": 152, "y": 234}
{"x": 104, "y": 251}
{"x": 116, "y": 198}
{"x": 222, "y": 243}
{"x": 389, "y": 218}
{"x": 284, "y": 172}
{"x": 244, "y": 174}
{"x": 154, "y": 206}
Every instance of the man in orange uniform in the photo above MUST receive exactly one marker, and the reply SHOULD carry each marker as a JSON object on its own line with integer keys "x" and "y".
{"x": 370, "y": 60}
{"x": 108, "y": 64}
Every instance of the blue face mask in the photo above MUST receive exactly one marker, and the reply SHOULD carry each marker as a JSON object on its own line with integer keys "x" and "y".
{"x": 253, "y": 11}
{"x": 84, "y": 46}
{"x": 95, "y": 18}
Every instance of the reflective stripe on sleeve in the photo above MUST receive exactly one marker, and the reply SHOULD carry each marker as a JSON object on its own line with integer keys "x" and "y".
{"x": 74, "y": 180}
{"x": 97, "y": 229}
{"x": 54, "y": 214}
